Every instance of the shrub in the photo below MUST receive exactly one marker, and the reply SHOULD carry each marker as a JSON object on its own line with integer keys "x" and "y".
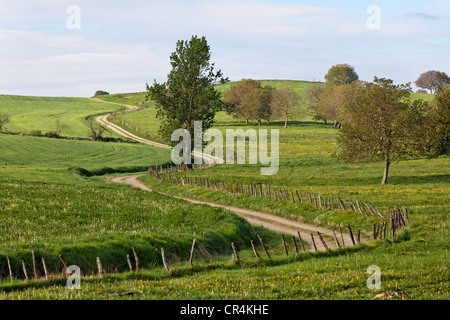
{"x": 101, "y": 93}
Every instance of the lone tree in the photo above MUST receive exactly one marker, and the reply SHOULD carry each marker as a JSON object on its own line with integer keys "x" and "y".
{"x": 341, "y": 74}
{"x": 189, "y": 94}
{"x": 4, "y": 118}
{"x": 432, "y": 80}
{"x": 380, "y": 124}
{"x": 285, "y": 103}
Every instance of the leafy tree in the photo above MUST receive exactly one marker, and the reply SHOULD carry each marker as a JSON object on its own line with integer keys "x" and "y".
{"x": 4, "y": 118}
{"x": 380, "y": 122}
{"x": 257, "y": 104}
{"x": 432, "y": 80}
{"x": 433, "y": 138}
{"x": 285, "y": 103}
{"x": 101, "y": 93}
{"x": 189, "y": 94}
{"x": 332, "y": 103}
{"x": 341, "y": 74}
{"x": 235, "y": 95}
{"x": 313, "y": 95}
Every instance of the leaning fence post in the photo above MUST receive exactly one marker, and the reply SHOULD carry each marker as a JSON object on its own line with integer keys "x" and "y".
{"x": 10, "y": 271}
{"x": 163, "y": 256}
{"x": 129, "y": 263}
{"x": 24, "y": 270}
{"x": 254, "y": 250}
{"x": 136, "y": 258}
{"x": 314, "y": 242}
{"x": 295, "y": 244}
{"x": 233, "y": 246}
{"x": 191, "y": 257}
{"x": 323, "y": 241}
{"x": 264, "y": 247}
{"x": 100, "y": 267}
{"x": 301, "y": 241}
{"x": 351, "y": 235}
{"x": 284, "y": 244}
{"x": 64, "y": 263}
{"x": 45, "y": 268}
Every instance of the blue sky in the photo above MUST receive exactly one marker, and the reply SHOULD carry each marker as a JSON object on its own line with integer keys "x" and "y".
{"x": 122, "y": 45}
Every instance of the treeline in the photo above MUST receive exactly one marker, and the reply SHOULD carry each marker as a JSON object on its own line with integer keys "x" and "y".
{"x": 248, "y": 100}
{"x": 379, "y": 120}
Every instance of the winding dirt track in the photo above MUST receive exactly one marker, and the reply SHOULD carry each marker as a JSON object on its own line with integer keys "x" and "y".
{"x": 269, "y": 221}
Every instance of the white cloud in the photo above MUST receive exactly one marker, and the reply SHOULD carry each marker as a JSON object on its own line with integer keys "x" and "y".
{"x": 125, "y": 44}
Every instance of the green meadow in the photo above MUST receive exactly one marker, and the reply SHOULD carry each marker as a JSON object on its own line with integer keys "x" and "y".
{"x": 39, "y": 115}
{"x": 55, "y": 198}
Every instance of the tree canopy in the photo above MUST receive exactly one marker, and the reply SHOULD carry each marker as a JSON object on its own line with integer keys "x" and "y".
{"x": 341, "y": 74}
{"x": 189, "y": 94}
{"x": 380, "y": 123}
{"x": 432, "y": 80}
{"x": 285, "y": 103}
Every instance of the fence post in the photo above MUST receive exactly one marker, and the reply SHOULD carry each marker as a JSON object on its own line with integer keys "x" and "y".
{"x": 264, "y": 247}
{"x": 10, "y": 270}
{"x": 45, "y": 268}
{"x": 314, "y": 242}
{"x": 129, "y": 263}
{"x": 351, "y": 235}
{"x": 34, "y": 264}
{"x": 301, "y": 241}
{"x": 233, "y": 246}
{"x": 100, "y": 267}
{"x": 24, "y": 270}
{"x": 254, "y": 250}
{"x": 191, "y": 257}
{"x": 136, "y": 258}
{"x": 323, "y": 241}
{"x": 284, "y": 244}
{"x": 295, "y": 244}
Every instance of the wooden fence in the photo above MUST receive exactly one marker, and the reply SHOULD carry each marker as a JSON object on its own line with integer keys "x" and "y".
{"x": 268, "y": 191}
{"x": 165, "y": 262}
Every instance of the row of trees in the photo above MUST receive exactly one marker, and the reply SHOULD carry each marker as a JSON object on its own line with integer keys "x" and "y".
{"x": 248, "y": 100}
{"x": 379, "y": 121}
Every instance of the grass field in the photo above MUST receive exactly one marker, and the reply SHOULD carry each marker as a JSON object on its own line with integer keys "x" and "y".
{"x": 40, "y": 114}
{"x": 46, "y": 204}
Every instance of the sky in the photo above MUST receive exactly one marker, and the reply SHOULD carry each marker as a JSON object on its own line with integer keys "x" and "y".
{"x": 74, "y": 48}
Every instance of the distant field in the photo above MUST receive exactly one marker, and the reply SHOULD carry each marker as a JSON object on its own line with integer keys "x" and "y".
{"x": 32, "y": 114}
{"x": 37, "y": 158}
{"x": 49, "y": 203}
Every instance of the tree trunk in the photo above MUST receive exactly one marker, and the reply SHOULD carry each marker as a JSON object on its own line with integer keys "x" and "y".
{"x": 386, "y": 169}
{"x": 286, "y": 122}
{"x": 246, "y": 121}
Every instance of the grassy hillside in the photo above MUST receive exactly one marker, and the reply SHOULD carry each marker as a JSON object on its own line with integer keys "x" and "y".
{"x": 44, "y": 159}
{"x": 49, "y": 203}
{"x": 40, "y": 114}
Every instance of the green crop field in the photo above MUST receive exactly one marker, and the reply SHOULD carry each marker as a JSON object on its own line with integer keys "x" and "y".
{"x": 40, "y": 114}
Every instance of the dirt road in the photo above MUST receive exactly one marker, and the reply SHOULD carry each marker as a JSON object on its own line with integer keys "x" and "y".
{"x": 269, "y": 221}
